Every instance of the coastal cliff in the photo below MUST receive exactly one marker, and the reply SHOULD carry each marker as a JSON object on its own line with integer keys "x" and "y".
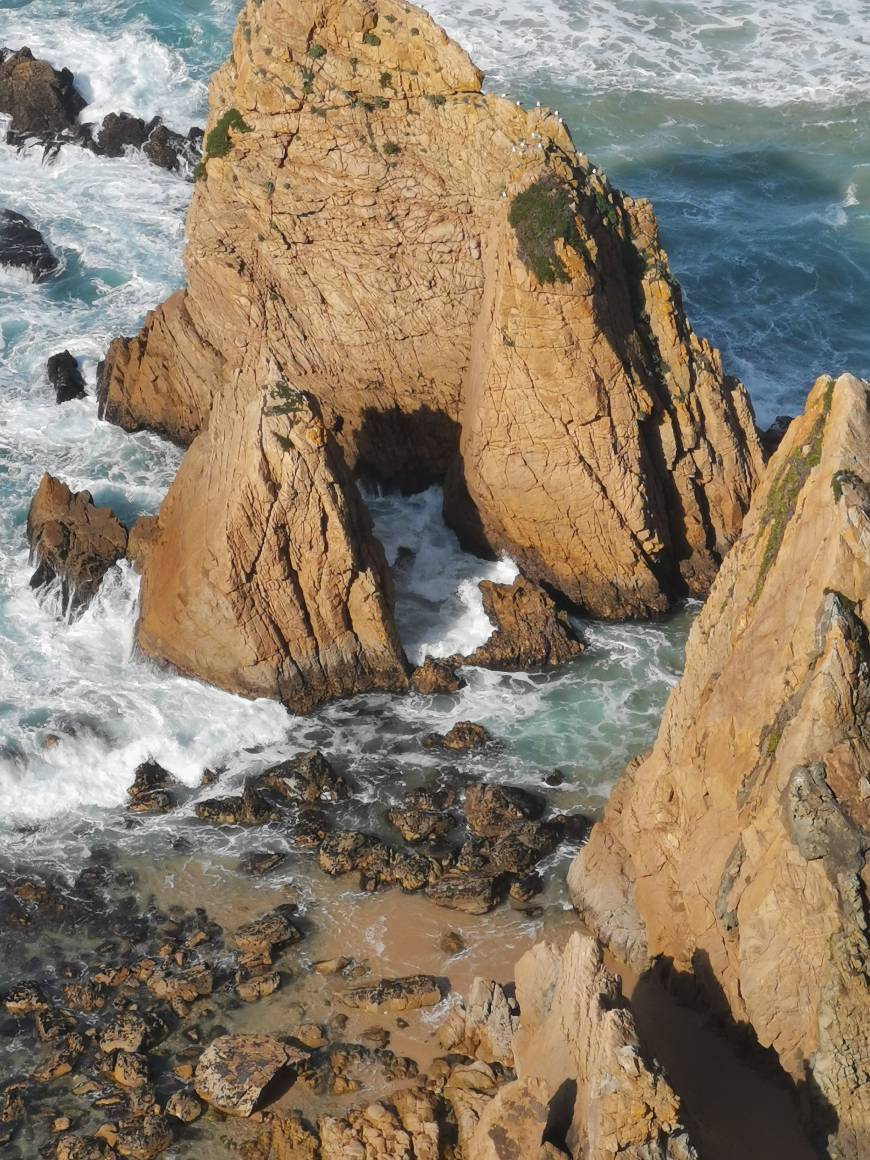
{"x": 465, "y": 297}
{"x": 738, "y": 847}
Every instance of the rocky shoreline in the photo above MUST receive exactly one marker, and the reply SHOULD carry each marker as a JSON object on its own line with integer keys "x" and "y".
{"x": 393, "y": 275}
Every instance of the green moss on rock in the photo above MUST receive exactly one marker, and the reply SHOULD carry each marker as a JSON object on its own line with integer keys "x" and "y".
{"x": 542, "y": 215}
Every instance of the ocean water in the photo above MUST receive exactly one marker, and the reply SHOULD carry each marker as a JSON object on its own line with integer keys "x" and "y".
{"x": 746, "y": 123}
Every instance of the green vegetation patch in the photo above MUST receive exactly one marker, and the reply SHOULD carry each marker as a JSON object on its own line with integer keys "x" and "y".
{"x": 391, "y": 149}
{"x": 372, "y": 38}
{"x": 287, "y": 400}
{"x": 785, "y": 491}
{"x": 218, "y": 143}
{"x": 316, "y": 51}
{"x": 541, "y": 215}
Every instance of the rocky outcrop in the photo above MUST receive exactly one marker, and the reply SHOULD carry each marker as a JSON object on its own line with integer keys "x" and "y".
{"x": 40, "y": 100}
{"x": 738, "y": 847}
{"x": 22, "y": 247}
{"x": 583, "y": 1087}
{"x": 234, "y": 1070}
{"x": 72, "y": 541}
{"x": 464, "y": 294}
{"x": 261, "y": 573}
{"x": 65, "y": 377}
{"x": 530, "y": 631}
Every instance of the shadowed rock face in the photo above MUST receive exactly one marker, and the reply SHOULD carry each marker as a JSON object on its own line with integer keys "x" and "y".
{"x": 464, "y": 294}
{"x": 261, "y": 573}
{"x": 738, "y": 848}
{"x": 40, "y": 99}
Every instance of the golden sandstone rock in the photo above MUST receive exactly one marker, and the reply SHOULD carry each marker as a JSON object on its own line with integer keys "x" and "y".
{"x": 467, "y": 300}
{"x": 738, "y": 847}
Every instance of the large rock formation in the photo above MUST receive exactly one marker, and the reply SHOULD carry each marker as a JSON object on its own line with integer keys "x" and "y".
{"x": 582, "y": 1080}
{"x": 261, "y": 573}
{"x": 738, "y": 847}
{"x": 39, "y": 99}
{"x": 72, "y": 541}
{"x": 464, "y": 294}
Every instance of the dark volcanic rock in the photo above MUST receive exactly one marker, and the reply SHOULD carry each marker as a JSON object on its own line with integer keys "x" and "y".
{"x": 249, "y": 808}
{"x": 149, "y": 792}
{"x": 41, "y": 100}
{"x": 119, "y": 131}
{"x": 22, "y": 247}
{"x": 73, "y": 541}
{"x": 531, "y": 632}
{"x": 170, "y": 150}
{"x": 65, "y": 376}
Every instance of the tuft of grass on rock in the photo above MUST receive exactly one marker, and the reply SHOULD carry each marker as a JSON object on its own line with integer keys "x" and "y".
{"x": 218, "y": 142}
{"x": 316, "y": 51}
{"x": 391, "y": 149}
{"x": 541, "y": 215}
{"x": 372, "y": 39}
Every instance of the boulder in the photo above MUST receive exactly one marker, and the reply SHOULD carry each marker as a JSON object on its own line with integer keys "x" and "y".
{"x": 436, "y": 676}
{"x": 171, "y": 150}
{"x": 512, "y": 327}
{"x": 66, "y": 378}
{"x": 41, "y": 100}
{"x": 261, "y": 937}
{"x": 308, "y": 777}
{"x": 120, "y": 131}
{"x": 463, "y": 736}
{"x": 25, "y": 999}
{"x": 150, "y": 791}
{"x": 530, "y": 633}
{"x": 420, "y": 825}
{"x": 484, "y": 1026}
{"x": 285, "y": 593}
{"x": 22, "y": 247}
{"x": 406, "y": 994}
{"x": 738, "y": 846}
{"x": 468, "y": 892}
{"x": 492, "y": 810}
{"x": 234, "y": 1070}
{"x": 72, "y": 541}
{"x": 143, "y": 1141}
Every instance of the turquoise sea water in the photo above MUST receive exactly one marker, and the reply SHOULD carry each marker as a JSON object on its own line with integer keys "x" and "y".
{"x": 748, "y": 125}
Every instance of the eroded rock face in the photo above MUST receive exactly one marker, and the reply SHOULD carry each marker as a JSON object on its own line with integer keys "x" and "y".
{"x": 576, "y": 1035}
{"x": 261, "y": 573}
{"x": 73, "y": 541}
{"x": 739, "y": 846}
{"x": 361, "y": 216}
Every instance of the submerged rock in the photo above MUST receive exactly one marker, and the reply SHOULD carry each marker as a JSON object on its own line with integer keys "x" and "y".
{"x": 22, "y": 247}
{"x": 736, "y": 849}
{"x": 66, "y": 378}
{"x": 41, "y": 100}
{"x": 72, "y": 541}
{"x": 436, "y": 676}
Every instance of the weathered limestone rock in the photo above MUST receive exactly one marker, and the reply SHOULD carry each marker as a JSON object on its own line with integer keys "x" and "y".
{"x": 576, "y": 1035}
{"x": 73, "y": 541}
{"x": 530, "y": 631}
{"x": 233, "y": 1070}
{"x": 261, "y": 573}
{"x": 464, "y": 294}
{"x": 738, "y": 847}
{"x": 40, "y": 99}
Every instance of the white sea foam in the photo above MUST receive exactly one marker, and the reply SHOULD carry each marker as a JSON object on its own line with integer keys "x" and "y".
{"x": 768, "y": 52}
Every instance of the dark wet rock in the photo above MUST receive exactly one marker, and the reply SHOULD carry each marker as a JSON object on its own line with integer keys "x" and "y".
{"x": 149, "y": 793}
{"x": 76, "y": 1147}
{"x": 511, "y": 854}
{"x": 183, "y": 1106}
{"x": 405, "y": 994}
{"x": 526, "y": 888}
{"x": 146, "y": 1140}
{"x": 452, "y": 942}
{"x": 258, "y": 986}
{"x": 233, "y": 1070}
{"x": 464, "y": 735}
{"x": 120, "y": 131}
{"x": 773, "y": 436}
{"x": 492, "y": 810}
{"x": 249, "y": 808}
{"x": 416, "y": 825}
{"x": 73, "y": 541}
{"x": 133, "y": 1032}
{"x": 262, "y": 937}
{"x": 574, "y": 827}
{"x": 436, "y": 676}
{"x": 22, "y": 247}
{"x": 429, "y": 798}
{"x": 25, "y": 999}
{"x": 310, "y": 828}
{"x": 130, "y": 1069}
{"x": 347, "y": 850}
{"x": 170, "y": 150}
{"x": 262, "y": 862}
{"x": 471, "y": 893}
{"x": 66, "y": 378}
{"x": 308, "y": 777}
{"x": 181, "y": 984}
{"x": 62, "y": 1060}
{"x": 41, "y": 100}
{"x": 531, "y": 632}
{"x": 378, "y": 864}
{"x": 12, "y": 1102}
{"x": 52, "y": 1023}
